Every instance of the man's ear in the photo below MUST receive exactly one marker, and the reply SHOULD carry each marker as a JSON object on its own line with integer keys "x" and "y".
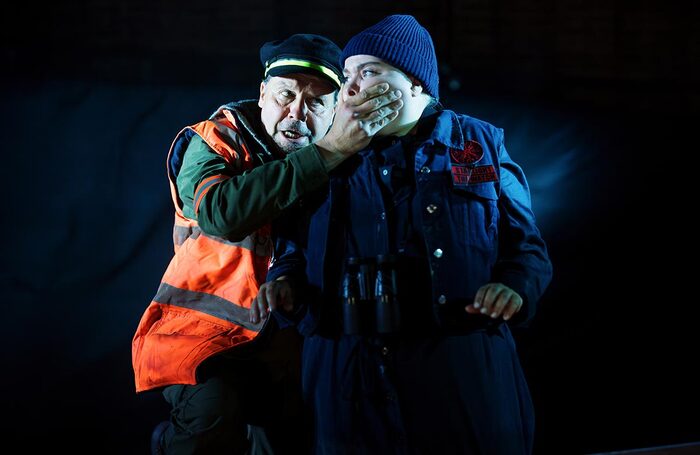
{"x": 416, "y": 86}
{"x": 262, "y": 94}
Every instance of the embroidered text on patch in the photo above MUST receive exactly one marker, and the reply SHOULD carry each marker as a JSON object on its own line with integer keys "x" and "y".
{"x": 466, "y": 175}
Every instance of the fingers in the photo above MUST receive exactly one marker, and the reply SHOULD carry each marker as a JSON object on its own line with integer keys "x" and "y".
{"x": 471, "y": 309}
{"x": 513, "y": 306}
{"x": 479, "y": 299}
{"x": 370, "y": 92}
{"x": 495, "y": 300}
{"x": 261, "y": 305}
{"x": 383, "y": 112}
{"x": 271, "y": 296}
{"x": 258, "y": 308}
{"x": 389, "y": 102}
{"x": 372, "y": 126}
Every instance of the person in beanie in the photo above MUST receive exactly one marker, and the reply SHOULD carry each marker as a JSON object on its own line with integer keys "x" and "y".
{"x": 230, "y": 176}
{"x": 407, "y": 270}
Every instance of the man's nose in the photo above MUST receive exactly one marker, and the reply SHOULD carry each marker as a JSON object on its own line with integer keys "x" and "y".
{"x": 298, "y": 109}
{"x": 351, "y": 87}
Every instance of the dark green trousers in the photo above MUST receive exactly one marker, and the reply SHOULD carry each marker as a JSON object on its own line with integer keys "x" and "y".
{"x": 247, "y": 401}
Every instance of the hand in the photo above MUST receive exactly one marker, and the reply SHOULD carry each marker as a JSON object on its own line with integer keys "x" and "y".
{"x": 358, "y": 118}
{"x": 272, "y": 296}
{"x": 496, "y": 300}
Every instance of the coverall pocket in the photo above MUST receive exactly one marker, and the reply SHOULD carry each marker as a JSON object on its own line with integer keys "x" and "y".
{"x": 475, "y": 212}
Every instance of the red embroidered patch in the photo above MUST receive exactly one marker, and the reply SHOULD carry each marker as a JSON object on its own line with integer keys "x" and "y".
{"x": 464, "y": 175}
{"x": 471, "y": 154}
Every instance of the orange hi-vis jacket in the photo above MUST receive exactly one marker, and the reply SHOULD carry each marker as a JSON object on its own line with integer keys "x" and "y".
{"x": 201, "y": 306}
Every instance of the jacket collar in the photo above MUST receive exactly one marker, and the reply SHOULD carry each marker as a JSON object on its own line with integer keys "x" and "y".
{"x": 247, "y": 112}
{"x": 447, "y": 130}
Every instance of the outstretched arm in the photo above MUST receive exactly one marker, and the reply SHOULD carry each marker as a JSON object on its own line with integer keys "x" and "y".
{"x": 523, "y": 269}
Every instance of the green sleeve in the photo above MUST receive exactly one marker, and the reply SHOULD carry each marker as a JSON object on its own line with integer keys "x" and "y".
{"x": 241, "y": 204}
{"x": 199, "y": 162}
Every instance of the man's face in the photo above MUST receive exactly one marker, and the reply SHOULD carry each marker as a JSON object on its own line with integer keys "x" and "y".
{"x": 297, "y": 109}
{"x": 364, "y": 71}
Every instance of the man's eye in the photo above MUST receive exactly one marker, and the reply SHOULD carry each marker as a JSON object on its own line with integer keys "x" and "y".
{"x": 287, "y": 93}
{"x": 368, "y": 72}
{"x": 317, "y": 102}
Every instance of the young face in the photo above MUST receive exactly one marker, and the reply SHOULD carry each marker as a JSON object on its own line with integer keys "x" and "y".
{"x": 363, "y": 71}
{"x": 297, "y": 109}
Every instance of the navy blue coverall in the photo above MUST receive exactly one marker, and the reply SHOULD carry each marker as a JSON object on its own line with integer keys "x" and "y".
{"x": 455, "y": 209}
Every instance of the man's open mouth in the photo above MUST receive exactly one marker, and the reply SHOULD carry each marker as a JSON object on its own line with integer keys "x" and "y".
{"x": 292, "y": 134}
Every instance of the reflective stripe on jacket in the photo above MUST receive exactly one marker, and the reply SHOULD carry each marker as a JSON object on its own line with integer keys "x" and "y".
{"x": 201, "y": 306}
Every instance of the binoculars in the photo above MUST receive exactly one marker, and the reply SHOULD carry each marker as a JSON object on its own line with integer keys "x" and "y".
{"x": 369, "y": 296}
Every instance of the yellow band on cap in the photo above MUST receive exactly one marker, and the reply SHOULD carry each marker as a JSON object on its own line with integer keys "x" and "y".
{"x": 306, "y": 64}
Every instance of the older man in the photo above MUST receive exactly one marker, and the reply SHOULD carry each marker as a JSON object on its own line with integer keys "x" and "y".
{"x": 230, "y": 176}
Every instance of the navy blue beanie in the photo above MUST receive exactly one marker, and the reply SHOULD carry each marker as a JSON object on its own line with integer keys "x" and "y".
{"x": 402, "y": 42}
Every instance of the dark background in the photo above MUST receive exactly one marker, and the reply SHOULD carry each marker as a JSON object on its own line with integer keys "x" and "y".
{"x": 598, "y": 100}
